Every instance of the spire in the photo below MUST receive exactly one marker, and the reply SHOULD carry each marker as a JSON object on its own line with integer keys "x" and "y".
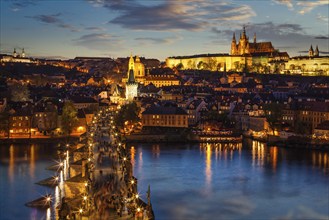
{"x": 316, "y": 52}
{"x": 244, "y": 32}
{"x": 254, "y": 37}
{"x": 131, "y": 76}
{"x": 23, "y": 53}
{"x": 131, "y": 64}
{"x": 137, "y": 59}
{"x": 311, "y": 51}
{"x": 233, "y": 39}
{"x": 14, "y": 54}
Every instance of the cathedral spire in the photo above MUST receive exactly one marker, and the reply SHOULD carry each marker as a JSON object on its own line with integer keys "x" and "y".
{"x": 254, "y": 37}
{"x": 233, "y": 39}
{"x": 311, "y": 51}
{"x": 244, "y": 32}
{"x": 316, "y": 52}
{"x": 131, "y": 63}
{"x": 23, "y": 53}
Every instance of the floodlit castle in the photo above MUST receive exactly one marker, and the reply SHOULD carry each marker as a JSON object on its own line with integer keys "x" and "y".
{"x": 244, "y": 55}
{"x": 244, "y": 47}
{"x": 313, "y": 64}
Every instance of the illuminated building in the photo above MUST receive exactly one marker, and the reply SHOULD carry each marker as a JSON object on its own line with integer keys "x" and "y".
{"x": 167, "y": 115}
{"x": 243, "y": 55}
{"x": 131, "y": 84}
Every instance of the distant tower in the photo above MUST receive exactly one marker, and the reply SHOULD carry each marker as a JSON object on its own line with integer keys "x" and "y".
{"x": 139, "y": 68}
{"x": 14, "y": 54}
{"x": 233, "y": 46}
{"x": 254, "y": 38}
{"x": 243, "y": 43}
{"x": 131, "y": 85}
{"x": 316, "y": 52}
{"x": 311, "y": 52}
{"x": 23, "y": 53}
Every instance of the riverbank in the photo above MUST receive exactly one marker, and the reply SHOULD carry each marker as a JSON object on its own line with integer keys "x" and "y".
{"x": 292, "y": 142}
{"x": 36, "y": 140}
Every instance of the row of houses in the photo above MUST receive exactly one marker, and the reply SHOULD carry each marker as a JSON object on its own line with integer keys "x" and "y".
{"x": 42, "y": 119}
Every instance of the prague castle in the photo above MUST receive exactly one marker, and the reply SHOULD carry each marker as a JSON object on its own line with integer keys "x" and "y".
{"x": 244, "y": 55}
{"x": 244, "y": 47}
{"x": 260, "y": 57}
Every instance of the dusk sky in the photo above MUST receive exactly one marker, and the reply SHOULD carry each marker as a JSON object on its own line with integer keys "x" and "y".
{"x": 158, "y": 29}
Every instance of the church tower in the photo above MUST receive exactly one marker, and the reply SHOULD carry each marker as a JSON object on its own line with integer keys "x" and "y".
{"x": 243, "y": 43}
{"x": 131, "y": 85}
{"x": 311, "y": 52}
{"x": 139, "y": 69}
{"x": 14, "y": 54}
{"x": 234, "y": 50}
{"x": 316, "y": 52}
{"x": 23, "y": 53}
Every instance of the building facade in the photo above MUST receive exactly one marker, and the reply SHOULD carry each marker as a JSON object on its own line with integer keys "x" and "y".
{"x": 165, "y": 116}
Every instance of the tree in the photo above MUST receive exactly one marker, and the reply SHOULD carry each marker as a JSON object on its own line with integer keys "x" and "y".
{"x": 273, "y": 114}
{"x": 212, "y": 64}
{"x": 200, "y": 65}
{"x": 4, "y": 123}
{"x": 69, "y": 118}
{"x": 19, "y": 92}
{"x": 128, "y": 112}
{"x": 180, "y": 66}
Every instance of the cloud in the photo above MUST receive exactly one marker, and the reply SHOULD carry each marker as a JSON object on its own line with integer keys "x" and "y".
{"x": 215, "y": 30}
{"x": 18, "y": 5}
{"x": 152, "y": 40}
{"x": 308, "y": 6}
{"x": 95, "y": 29}
{"x": 322, "y": 37}
{"x": 270, "y": 28}
{"x": 287, "y": 3}
{"x": 99, "y": 41}
{"x": 53, "y": 19}
{"x": 49, "y": 19}
{"x": 303, "y": 6}
{"x": 193, "y": 15}
{"x": 322, "y": 18}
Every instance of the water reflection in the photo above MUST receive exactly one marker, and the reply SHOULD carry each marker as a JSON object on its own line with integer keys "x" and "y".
{"x": 274, "y": 157}
{"x": 11, "y": 163}
{"x": 258, "y": 153}
{"x": 320, "y": 159}
{"x": 132, "y": 156}
{"x": 140, "y": 160}
{"x": 208, "y": 168}
{"x": 156, "y": 150}
{"x": 32, "y": 160}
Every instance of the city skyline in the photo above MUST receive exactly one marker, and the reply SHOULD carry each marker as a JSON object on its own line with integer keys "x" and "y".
{"x": 158, "y": 29}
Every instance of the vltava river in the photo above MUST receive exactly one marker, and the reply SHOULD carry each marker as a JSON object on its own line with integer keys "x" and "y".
{"x": 21, "y": 166}
{"x": 194, "y": 181}
{"x": 233, "y": 182}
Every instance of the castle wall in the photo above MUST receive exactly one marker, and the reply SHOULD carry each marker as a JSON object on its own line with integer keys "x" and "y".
{"x": 308, "y": 65}
{"x": 211, "y": 63}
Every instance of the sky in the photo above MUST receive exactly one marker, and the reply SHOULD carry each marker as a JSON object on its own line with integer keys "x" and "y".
{"x": 158, "y": 28}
